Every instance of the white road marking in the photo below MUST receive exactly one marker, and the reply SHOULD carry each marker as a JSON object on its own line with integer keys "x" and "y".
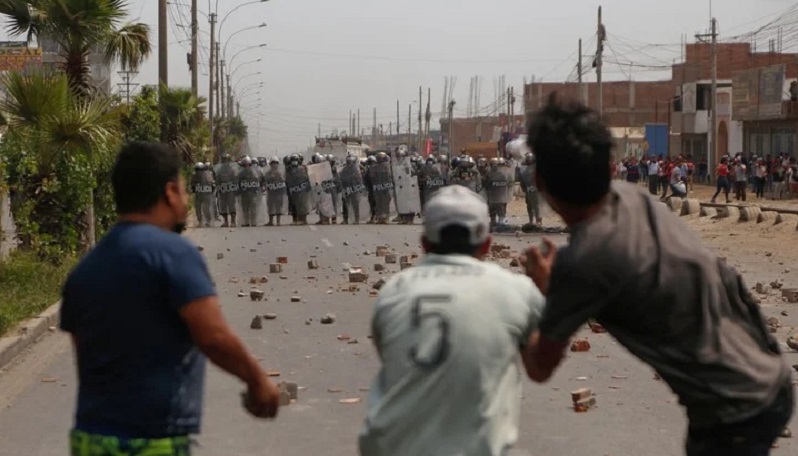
{"x": 326, "y": 242}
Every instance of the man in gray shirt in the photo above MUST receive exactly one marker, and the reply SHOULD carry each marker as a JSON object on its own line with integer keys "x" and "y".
{"x": 639, "y": 271}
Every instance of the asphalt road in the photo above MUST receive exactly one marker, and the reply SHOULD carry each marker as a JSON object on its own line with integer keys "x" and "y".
{"x": 636, "y": 414}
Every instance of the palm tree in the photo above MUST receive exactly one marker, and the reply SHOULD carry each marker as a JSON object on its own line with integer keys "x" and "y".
{"x": 80, "y": 27}
{"x": 48, "y": 125}
{"x": 183, "y": 120}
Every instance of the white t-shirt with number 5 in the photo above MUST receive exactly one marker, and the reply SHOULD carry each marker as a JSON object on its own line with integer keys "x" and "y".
{"x": 449, "y": 332}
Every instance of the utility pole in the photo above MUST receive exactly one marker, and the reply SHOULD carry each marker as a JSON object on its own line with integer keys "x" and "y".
{"x": 222, "y": 100}
{"x": 602, "y": 36}
{"x": 163, "y": 67}
{"x": 409, "y": 122}
{"x": 713, "y": 134}
{"x": 451, "y": 119}
{"x": 211, "y": 74}
{"x": 194, "y": 49}
{"x": 126, "y": 86}
{"x": 359, "y": 133}
{"x": 713, "y": 119}
{"x": 579, "y": 70}
{"x": 229, "y": 97}
{"x": 219, "y": 81}
{"x": 374, "y": 128}
{"x": 397, "y": 119}
{"x": 319, "y": 131}
{"x": 420, "y": 124}
{"x": 428, "y": 115}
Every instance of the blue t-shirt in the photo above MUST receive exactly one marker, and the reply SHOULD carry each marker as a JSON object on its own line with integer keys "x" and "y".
{"x": 140, "y": 374}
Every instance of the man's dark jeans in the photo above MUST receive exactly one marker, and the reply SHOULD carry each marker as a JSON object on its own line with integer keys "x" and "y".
{"x": 752, "y": 437}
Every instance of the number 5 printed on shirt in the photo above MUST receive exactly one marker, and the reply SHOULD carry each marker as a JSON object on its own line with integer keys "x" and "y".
{"x": 432, "y": 331}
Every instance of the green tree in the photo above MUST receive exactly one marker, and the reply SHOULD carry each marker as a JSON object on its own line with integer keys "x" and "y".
{"x": 54, "y": 145}
{"x": 184, "y": 126}
{"x": 141, "y": 118}
{"x": 81, "y": 27}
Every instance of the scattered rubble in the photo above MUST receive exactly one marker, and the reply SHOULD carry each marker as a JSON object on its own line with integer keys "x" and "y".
{"x": 282, "y": 260}
{"x": 776, "y": 285}
{"x": 378, "y": 284}
{"x": 390, "y": 258}
{"x": 596, "y": 328}
{"x": 328, "y": 319}
{"x": 580, "y": 345}
{"x": 792, "y": 342}
{"x": 296, "y": 299}
{"x": 357, "y": 275}
{"x": 200, "y": 248}
{"x": 256, "y": 323}
{"x": 270, "y": 316}
{"x": 791, "y": 294}
{"x": 291, "y": 388}
{"x": 353, "y": 400}
{"x": 343, "y": 337}
{"x": 583, "y": 399}
{"x": 404, "y": 266}
{"x": 761, "y": 288}
{"x": 335, "y": 390}
{"x": 382, "y": 250}
{"x": 514, "y": 263}
{"x": 219, "y": 256}
{"x": 241, "y": 294}
{"x": 786, "y": 433}
{"x": 256, "y": 295}
{"x": 313, "y": 264}
{"x": 275, "y": 268}
{"x": 379, "y": 267}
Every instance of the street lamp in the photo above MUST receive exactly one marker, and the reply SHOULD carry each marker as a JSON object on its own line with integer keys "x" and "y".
{"x": 233, "y": 73}
{"x": 254, "y": 46}
{"x": 249, "y": 75}
{"x": 227, "y": 42}
{"x": 221, "y": 24}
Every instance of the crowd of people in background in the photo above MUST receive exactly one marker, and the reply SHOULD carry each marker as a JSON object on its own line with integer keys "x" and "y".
{"x": 765, "y": 177}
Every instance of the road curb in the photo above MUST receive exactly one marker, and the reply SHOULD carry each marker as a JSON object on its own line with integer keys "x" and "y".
{"x": 28, "y": 333}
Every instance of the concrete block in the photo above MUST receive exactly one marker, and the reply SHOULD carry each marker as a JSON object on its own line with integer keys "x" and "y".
{"x": 767, "y": 217}
{"x": 710, "y": 212}
{"x": 729, "y": 212}
{"x": 750, "y": 214}
{"x": 789, "y": 219}
{"x": 690, "y": 206}
{"x": 275, "y": 268}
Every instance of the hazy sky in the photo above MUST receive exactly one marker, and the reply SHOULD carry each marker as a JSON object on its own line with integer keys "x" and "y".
{"x": 327, "y": 57}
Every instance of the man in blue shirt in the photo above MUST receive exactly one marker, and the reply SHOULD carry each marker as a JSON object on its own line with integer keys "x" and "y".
{"x": 143, "y": 313}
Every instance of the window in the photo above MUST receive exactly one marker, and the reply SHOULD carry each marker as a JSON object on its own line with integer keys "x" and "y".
{"x": 783, "y": 141}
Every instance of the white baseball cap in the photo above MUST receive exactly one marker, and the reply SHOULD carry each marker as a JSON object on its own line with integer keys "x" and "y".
{"x": 456, "y": 205}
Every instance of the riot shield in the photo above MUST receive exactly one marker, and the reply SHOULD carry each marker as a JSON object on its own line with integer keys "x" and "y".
{"x": 276, "y": 197}
{"x": 322, "y": 187}
{"x": 510, "y": 171}
{"x": 298, "y": 190}
{"x": 496, "y": 186}
{"x": 432, "y": 181}
{"x": 406, "y": 198}
{"x": 382, "y": 189}
{"x": 354, "y": 195}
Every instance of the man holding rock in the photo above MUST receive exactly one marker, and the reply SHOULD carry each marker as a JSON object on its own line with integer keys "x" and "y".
{"x": 142, "y": 310}
{"x": 449, "y": 332}
{"x": 643, "y": 275}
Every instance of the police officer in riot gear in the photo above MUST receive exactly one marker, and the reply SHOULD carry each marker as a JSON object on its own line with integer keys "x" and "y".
{"x": 227, "y": 182}
{"x": 526, "y": 177}
{"x": 371, "y": 161}
{"x": 250, "y": 188}
{"x": 496, "y": 187}
{"x": 298, "y": 183}
{"x": 467, "y": 175}
{"x": 276, "y": 195}
{"x": 202, "y": 185}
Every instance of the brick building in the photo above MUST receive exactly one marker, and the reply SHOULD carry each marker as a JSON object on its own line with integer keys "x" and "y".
{"x": 683, "y": 102}
{"x": 480, "y": 135}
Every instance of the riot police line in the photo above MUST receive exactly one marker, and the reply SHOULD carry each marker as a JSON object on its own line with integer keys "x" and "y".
{"x": 380, "y": 189}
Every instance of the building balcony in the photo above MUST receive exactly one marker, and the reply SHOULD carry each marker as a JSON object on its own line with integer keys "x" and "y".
{"x": 695, "y": 123}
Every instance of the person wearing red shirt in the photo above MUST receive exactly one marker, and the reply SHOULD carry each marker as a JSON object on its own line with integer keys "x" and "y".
{"x": 722, "y": 180}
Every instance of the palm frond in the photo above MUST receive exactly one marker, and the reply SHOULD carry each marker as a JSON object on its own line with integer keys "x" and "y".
{"x": 129, "y": 44}
{"x": 21, "y": 18}
{"x": 32, "y": 98}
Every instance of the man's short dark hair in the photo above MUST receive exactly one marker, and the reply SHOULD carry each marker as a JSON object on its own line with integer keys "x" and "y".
{"x": 573, "y": 150}
{"x": 141, "y": 173}
{"x": 455, "y": 240}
